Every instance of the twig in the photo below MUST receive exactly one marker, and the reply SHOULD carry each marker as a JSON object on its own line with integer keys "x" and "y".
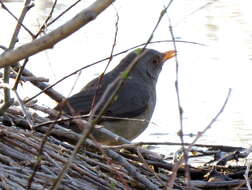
{"x": 43, "y": 109}
{"x": 65, "y": 11}
{"x": 49, "y": 40}
{"x": 114, "y": 43}
{"x": 47, "y": 89}
{"x": 3, "y": 47}
{"x": 117, "y": 83}
{"x": 217, "y": 185}
{"x": 44, "y": 86}
{"x": 70, "y": 118}
{"x": 176, "y": 167}
{"x": 246, "y": 174}
{"x": 20, "y": 21}
{"x": 74, "y": 83}
{"x": 39, "y": 157}
{"x": 111, "y": 91}
{"x": 212, "y": 147}
{"x": 25, "y": 79}
{"x": 27, "y": 115}
{"x": 132, "y": 170}
{"x": 196, "y": 10}
{"x": 44, "y": 25}
{"x": 147, "y": 166}
{"x": 5, "y": 85}
{"x": 180, "y": 109}
{"x": 107, "y": 65}
{"x": 19, "y": 74}
{"x": 213, "y": 120}
{"x": 7, "y": 99}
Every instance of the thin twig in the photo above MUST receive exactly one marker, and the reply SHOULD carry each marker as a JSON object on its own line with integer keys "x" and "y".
{"x": 180, "y": 109}
{"x": 195, "y": 11}
{"x": 45, "y": 87}
{"x": 132, "y": 170}
{"x": 114, "y": 42}
{"x": 213, "y": 120}
{"x": 181, "y": 112}
{"x": 74, "y": 83}
{"x": 25, "y": 79}
{"x": 147, "y": 166}
{"x": 70, "y": 118}
{"x": 20, "y": 21}
{"x": 7, "y": 98}
{"x": 18, "y": 77}
{"x": 27, "y": 114}
{"x": 107, "y": 65}
{"x": 49, "y": 40}
{"x": 39, "y": 157}
{"x": 44, "y": 25}
{"x": 177, "y": 165}
{"x": 42, "y": 85}
{"x": 65, "y": 11}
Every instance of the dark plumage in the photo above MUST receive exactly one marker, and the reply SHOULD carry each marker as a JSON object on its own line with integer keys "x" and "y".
{"x": 135, "y": 99}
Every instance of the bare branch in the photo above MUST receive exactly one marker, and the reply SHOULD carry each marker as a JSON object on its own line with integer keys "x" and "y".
{"x": 48, "y": 41}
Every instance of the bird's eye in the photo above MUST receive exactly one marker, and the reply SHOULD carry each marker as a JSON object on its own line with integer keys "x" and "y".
{"x": 156, "y": 60}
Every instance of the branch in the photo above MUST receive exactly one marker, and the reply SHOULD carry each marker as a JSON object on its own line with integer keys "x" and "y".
{"x": 48, "y": 41}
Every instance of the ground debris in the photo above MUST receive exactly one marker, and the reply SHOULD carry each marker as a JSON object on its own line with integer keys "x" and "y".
{"x": 30, "y": 159}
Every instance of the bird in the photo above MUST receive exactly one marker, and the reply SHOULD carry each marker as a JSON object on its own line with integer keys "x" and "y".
{"x": 135, "y": 101}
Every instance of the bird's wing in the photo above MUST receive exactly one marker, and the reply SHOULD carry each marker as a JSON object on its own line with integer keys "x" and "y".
{"x": 131, "y": 101}
{"x": 81, "y": 102}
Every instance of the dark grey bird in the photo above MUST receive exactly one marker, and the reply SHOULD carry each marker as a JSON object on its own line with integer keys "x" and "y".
{"x": 134, "y": 102}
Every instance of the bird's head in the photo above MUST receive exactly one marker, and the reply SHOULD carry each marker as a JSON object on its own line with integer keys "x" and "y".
{"x": 149, "y": 64}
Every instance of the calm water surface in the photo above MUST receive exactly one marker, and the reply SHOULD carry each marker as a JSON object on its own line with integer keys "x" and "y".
{"x": 205, "y": 72}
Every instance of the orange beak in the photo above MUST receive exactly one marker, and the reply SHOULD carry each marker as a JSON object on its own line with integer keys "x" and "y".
{"x": 168, "y": 55}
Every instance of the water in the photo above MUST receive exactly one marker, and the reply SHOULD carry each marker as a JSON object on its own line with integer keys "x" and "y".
{"x": 205, "y": 72}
